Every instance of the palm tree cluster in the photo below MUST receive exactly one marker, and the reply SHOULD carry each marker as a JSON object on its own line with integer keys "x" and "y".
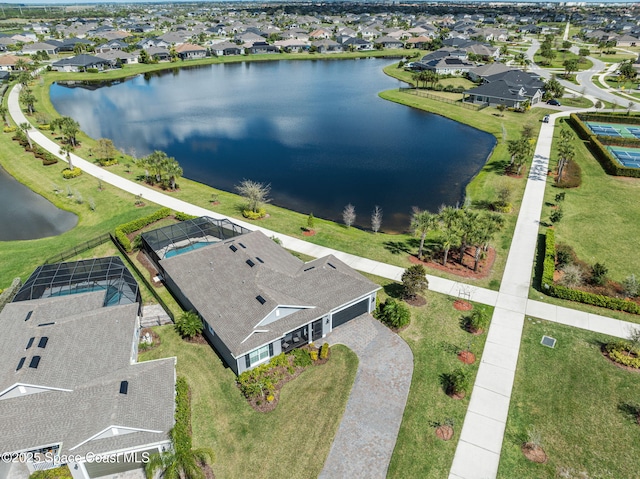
{"x": 160, "y": 168}
{"x": 457, "y": 228}
{"x": 24, "y": 78}
{"x": 426, "y": 77}
{"x": 520, "y": 149}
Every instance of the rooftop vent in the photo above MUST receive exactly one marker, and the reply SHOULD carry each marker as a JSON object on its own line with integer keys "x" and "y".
{"x": 20, "y": 364}
{"x": 43, "y": 342}
{"x": 250, "y": 263}
{"x": 30, "y": 343}
{"x": 233, "y": 248}
{"x": 28, "y": 316}
{"x": 260, "y": 299}
{"x": 47, "y": 324}
{"x": 259, "y": 259}
{"x": 310, "y": 268}
{"x": 242, "y": 246}
{"x": 124, "y": 387}
{"x": 34, "y": 362}
{"x": 331, "y": 265}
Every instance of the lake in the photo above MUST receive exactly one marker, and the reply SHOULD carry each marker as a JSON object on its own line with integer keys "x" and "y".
{"x": 315, "y": 130}
{"x": 26, "y": 215}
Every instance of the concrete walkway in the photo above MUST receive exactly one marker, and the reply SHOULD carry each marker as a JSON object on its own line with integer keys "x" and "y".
{"x": 367, "y": 434}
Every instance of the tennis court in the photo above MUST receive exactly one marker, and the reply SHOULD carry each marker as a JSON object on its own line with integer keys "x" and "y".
{"x": 615, "y": 129}
{"x": 628, "y": 157}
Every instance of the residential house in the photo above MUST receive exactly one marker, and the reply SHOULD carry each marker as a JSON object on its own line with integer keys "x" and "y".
{"x": 226, "y": 48}
{"x": 115, "y": 45}
{"x": 321, "y": 34}
{"x": 71, "y": 389}
{"x": 117, "y": 58}
{"x": 389, "y": 42}
{"x": 153, "y": 42}
{"x": 188, "y": 51}
{"x": 159, "y": 54}
{"x": 421, "y": 42}
{"x": 511, "y": 89}
{"x": 627, "y": 41}
{"x": 262, "y": 47}
{"x": 356, "y": 44}
{"x": 69, "y": 44}
{"x": 292, "y": 46}
{"x": 256, "y": 300}
{"x": 327, "y": 46}
{"x": 8, "y": 62}
{"x": 32, "y": 48}
{"x": 482, "y": 72}
{"x": 79, "y": 63}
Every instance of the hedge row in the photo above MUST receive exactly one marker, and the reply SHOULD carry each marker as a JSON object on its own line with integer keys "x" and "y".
{"x": 123, "y": 230}
{"x": 600, "y": 152}
{"x": 181, "y": 432}
{"x": 563, "y": 292}
{"x": 180, "y": 216}
{"x": 610, "y": 118}
{"x": 7, "y": 295}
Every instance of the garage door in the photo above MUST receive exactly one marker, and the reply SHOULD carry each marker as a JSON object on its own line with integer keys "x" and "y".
{"x": 349, "y": 313}
{"x": 99, "y": 469}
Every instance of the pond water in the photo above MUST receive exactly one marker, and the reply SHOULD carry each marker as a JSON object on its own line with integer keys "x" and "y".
{"x": 26, "y": 215}
{"x": 315, "y": 130}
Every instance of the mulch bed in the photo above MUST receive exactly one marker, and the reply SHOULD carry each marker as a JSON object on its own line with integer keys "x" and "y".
{"x": 467, "y": 357}
{"x": 416, "y": 301}
{"x": 444, "y": 432}
{"x": 456, "y": 395}
{"x": 534, "y": 453}
{"x": 464, "y": 270}
{"x": 462, "y": 305}
{"x": 605, "y": 353}
{"x": 155, "y": 339}
{"x": 144, "y": 260}
{"x": 197, "y": 339}
{"x": 308, "y": 232}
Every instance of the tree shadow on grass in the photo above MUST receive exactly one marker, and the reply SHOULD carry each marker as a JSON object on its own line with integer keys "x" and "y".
{"x": 397, "y": 247}
{"x": 394, "y": 290}
{"x": 539, "y": 264}
{"x": 448, "y": 347}
{"x": 632, "y": 410}
{"x": 483, "y": 205}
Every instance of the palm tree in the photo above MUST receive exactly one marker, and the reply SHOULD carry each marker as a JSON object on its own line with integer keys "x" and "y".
{"x": 468, "y": 224}
{"x": 174, "y": 170}
{"x": 449, "y": 219}
{"x": 421, "y": 223}
{"x": 66, "y": 149}
{"x": 28, "y": 99}
{"x": 179, "y": 464}
{"x": 156, "y": 162}
{"x": 25, "y": 127}
{"x": 3, "y": 113}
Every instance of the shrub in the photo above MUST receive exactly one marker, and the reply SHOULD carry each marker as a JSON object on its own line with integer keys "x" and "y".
{"x": 301, "y": 357}
{"x": 49, "y": 159}
{"x": 573, "y": 276}
{"x": 314, "y": 355}
{"x": 394, "y": 314}
{"x": 123, "y": 230}
{"x": 599, "y": 274}
{"x": 107, "y": 161}
{"x": 556, "y": 215}
{"x": 619, "y": 352}
{"x": 571, "y": 177}
{"x": 254, "y": 215}
{"x": 565, "y": 255}
{"x": 478, "y": 320}
{"x": 44, "y": 127}
{"x": 457, "y": 382}
{"x": 630, "y": 285}
{"x": 311, "y": 222}
{"x": 9, "y": 129}
{"x": 324, "y": 351}
{"x": 92, "y": 70}
{"x": 188, "y": 324}
{"x": 184, "y": 216}
{"x": 414, "y": 281}
{"x": 68, "y": 173}
{"x": 55, "y": 473}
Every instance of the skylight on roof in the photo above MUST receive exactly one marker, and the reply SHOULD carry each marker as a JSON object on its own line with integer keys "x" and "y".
{"x": 250, "y": 263}
{"x": 30, "y": 343}
{"x": 233, "y": 248}
{"x": 124, "y": 387}
{"x": 43, "y": 342}
{"x": 28, "y": 316}
{"x": 35, "y": 361}
{"x": 20, "y": 364}
{"x": 260, "y": 299}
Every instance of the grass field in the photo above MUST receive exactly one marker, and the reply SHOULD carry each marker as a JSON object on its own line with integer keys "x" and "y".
{"x": 578, "y": 409}
{"x": 248, "y": 443}
{"x": 434, "y": 335}
{"x": 558, "y": 61}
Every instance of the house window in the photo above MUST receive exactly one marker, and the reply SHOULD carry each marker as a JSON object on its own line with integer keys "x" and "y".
{"x": 259, "y": 355}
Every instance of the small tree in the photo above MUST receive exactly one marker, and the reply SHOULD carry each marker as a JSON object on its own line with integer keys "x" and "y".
{"x": 556, "y": 215}
{"x": 256, "y": 194}
{"x": 478, "y": 320}
{"x": 599, "y": 274}
{"x": 630, "y": 285}
{"x": 393, "y": 313}
{"x": 105, "y": 150}
{"x": 349, "y": 215}
{"x": 188, "y": 324}
{"x": 414, "y": 281}
{"x": 25, "y": 127}
{"x": 457, "y": 382}
{"x": 66, "y": 149}
{"x": 376, "y": 219}
{"x": 311, "y": 221}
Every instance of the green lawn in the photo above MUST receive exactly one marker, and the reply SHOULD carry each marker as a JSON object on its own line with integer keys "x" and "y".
{"x": 578, "y": 102}
{"x": 248, "y": 443}
{"x": 434, "y": 335}
{"x": 575, "y": 399}
{"x": 558, "y": 61}
{"x": 600, "y": 217}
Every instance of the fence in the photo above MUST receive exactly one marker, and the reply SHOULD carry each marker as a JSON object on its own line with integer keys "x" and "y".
{"x": 81, "y": 248}
{"x": 431, "y": 96}
{"x": 142, "y": 277}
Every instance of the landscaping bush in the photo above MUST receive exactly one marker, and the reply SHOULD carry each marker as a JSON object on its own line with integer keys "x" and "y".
{"x": 394, "y": 314}
{"x": 324, "y": 351}
{"x": 621, "y": 352}
{"x": 478, "y": 320}
{"x": 180, "y": 216}
{"x": 92, "y": 70}
{"x": 181, "y": 432}
{"x": 49, "y": 159}
{"x": 254, "y": 215}
{"x": 44, "y": 127}
{"x": 7, "y": 294}
{"x": 571, "y": 176}
{"x": 9, "y": 129}
{"x": 565, "y": 255}
{"x": 123, "y": 230}
{"x": 55, "y": 473}
{"x": 457, "y": 382}
{"x": 68, "y": 173}
{"x": 188, "y": 325}
{"x": 556, "y": 215}
{"x": 599, "y": 274}
{"x": 314, "y": 355}
{"x": 107, "y": 161}
{"x": 301, "y": 357}
{"x": 573, "y": 276}
{"x": 414, "y": 281}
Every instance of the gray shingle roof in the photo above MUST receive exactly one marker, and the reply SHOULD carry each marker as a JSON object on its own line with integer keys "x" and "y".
{"x": 87, "y": 355}
{"x": 223, "y": 288}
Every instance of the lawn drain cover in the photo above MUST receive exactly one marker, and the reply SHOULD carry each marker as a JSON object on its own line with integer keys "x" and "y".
{"x": 548, "y": 342}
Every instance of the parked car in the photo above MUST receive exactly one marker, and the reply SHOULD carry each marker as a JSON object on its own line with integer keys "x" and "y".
{"x": 545, "y": 119}
{"x": 554, "y": 102}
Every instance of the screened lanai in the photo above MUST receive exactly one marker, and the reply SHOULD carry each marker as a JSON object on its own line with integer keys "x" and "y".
{"x": 187, "y": 236}
{"x": 100, "y": 274}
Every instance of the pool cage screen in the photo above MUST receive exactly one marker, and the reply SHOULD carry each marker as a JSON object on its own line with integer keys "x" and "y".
{"x": 188, "y": 235}
{"x": 99, "y": 274}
